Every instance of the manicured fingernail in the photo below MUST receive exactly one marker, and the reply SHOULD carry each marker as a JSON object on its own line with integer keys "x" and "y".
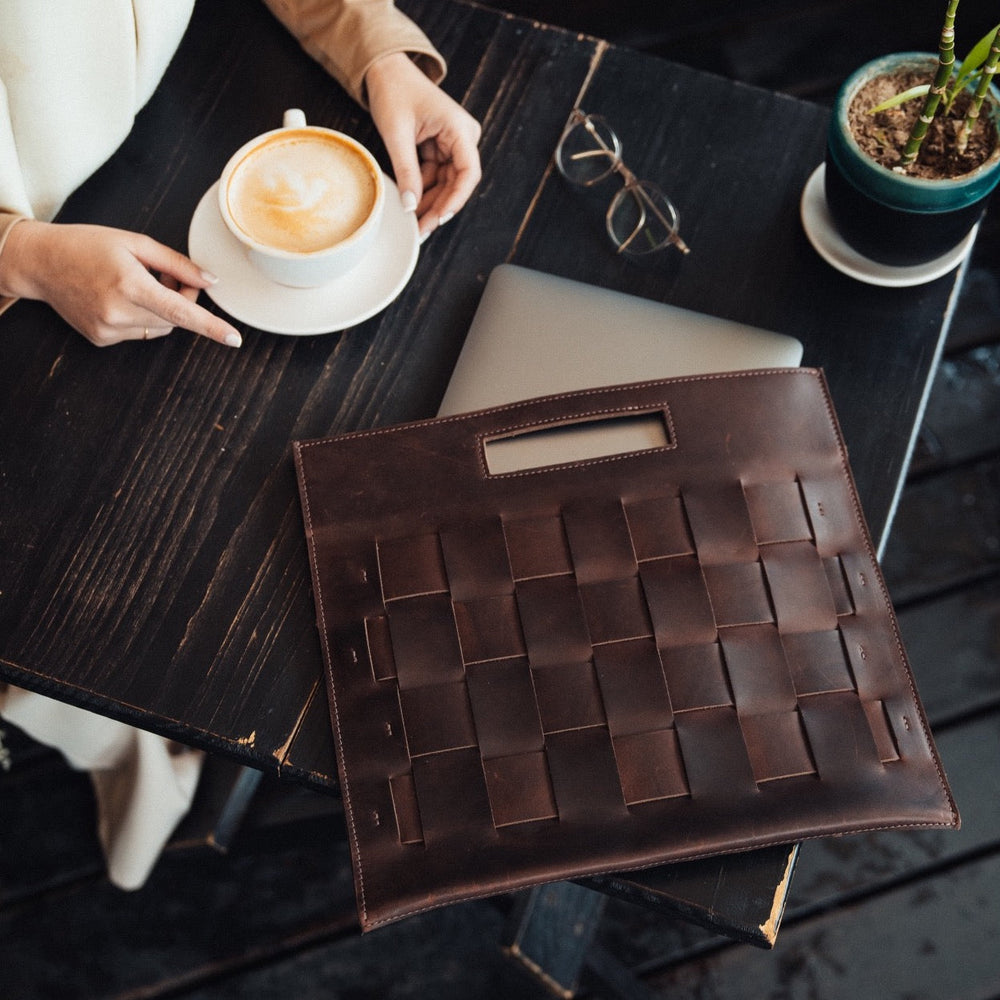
{"x": 409, "y": 201}
{"x": 209, "y": 277}
{"x": 233, "y": 340}
{"x": 447, "y": 217}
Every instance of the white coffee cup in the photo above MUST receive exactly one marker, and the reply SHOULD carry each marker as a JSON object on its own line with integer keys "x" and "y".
{"x": 305, "y": 201}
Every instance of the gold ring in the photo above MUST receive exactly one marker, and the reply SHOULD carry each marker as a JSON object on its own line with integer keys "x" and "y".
{"x": 145, "y": 333}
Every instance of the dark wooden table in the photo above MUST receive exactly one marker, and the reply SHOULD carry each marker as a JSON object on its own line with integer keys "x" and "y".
{"x": 152, "y": 559}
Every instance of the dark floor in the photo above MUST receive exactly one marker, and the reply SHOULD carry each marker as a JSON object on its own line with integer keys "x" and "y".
{"x": 902, "y": 915}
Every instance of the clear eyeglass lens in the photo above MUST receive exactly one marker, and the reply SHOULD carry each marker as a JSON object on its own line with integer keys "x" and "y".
{"x": 589, "y": 151}
{"x": 642, "y": 219}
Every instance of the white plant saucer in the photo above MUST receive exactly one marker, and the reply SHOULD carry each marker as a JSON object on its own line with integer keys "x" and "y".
{"x": 830, "y": 245}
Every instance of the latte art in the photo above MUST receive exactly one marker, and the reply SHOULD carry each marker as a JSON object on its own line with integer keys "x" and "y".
{"x": 301, "y": 192}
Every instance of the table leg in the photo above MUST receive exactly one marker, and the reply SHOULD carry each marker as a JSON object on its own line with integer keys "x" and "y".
{"x": 550, "y": 931}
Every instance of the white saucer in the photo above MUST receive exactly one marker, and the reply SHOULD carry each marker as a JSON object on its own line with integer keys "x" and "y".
{"x": 830, "y": 245}
{"x": 253, "y": 299}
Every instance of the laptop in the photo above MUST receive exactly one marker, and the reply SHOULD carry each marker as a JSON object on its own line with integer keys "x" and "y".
{"x": 534, "y": 334}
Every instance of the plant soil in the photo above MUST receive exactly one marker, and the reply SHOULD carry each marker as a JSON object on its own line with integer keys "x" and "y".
{"x": 883, "y": 135}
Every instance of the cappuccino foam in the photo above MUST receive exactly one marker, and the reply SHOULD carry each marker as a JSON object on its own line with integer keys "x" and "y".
{"x": 301, "y": 191}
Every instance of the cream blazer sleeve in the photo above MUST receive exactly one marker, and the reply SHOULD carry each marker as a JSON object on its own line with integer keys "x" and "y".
{"x": 72, "y": 77}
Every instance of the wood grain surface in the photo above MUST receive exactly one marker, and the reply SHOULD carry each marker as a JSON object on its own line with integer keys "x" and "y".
{"x": 152, "y": 545}
{"x": 272, "y": 918}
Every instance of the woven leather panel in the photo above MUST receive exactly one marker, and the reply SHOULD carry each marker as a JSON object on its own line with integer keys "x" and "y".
{"x": 682, "y": 651}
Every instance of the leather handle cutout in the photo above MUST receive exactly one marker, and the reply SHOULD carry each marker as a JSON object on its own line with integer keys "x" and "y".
{"x": 589, "y": 439}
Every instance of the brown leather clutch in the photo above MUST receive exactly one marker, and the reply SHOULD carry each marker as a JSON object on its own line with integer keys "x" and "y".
{"x": 542, "y": 672}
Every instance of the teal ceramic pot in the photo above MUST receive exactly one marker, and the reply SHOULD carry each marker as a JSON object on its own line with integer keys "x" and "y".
{"x": 893, "y": 218}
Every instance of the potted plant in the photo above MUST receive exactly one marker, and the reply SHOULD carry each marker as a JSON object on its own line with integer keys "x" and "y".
{"x": 913, "y": 152}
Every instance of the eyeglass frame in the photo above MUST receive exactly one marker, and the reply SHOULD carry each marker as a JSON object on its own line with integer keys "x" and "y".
{"x": 632, "y": 184}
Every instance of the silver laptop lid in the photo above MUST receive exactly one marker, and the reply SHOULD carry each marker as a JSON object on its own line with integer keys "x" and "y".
{"x": 534, "y": 334}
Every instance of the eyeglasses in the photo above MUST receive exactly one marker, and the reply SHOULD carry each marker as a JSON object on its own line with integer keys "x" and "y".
{"x": 641, "y": 219}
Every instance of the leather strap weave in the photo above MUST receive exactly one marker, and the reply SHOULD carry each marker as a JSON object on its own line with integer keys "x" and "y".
{"x": 610, "y": 664}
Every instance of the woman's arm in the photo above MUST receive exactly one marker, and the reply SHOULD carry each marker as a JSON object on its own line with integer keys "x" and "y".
{"x": 109, "y": 284}
{"x": 388, "y": 65}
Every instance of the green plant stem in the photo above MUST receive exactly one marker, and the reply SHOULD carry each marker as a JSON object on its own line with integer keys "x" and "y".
{"x": 986, "y": 75}
{"x": 946, "y": 60}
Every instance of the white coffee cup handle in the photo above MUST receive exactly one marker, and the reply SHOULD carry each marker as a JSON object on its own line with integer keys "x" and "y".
{"x": 294, "y": 118}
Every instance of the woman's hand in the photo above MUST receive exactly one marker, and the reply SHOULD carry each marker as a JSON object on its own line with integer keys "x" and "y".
{"x": 432, "y": 141}
{"x": 109, "y": 284}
